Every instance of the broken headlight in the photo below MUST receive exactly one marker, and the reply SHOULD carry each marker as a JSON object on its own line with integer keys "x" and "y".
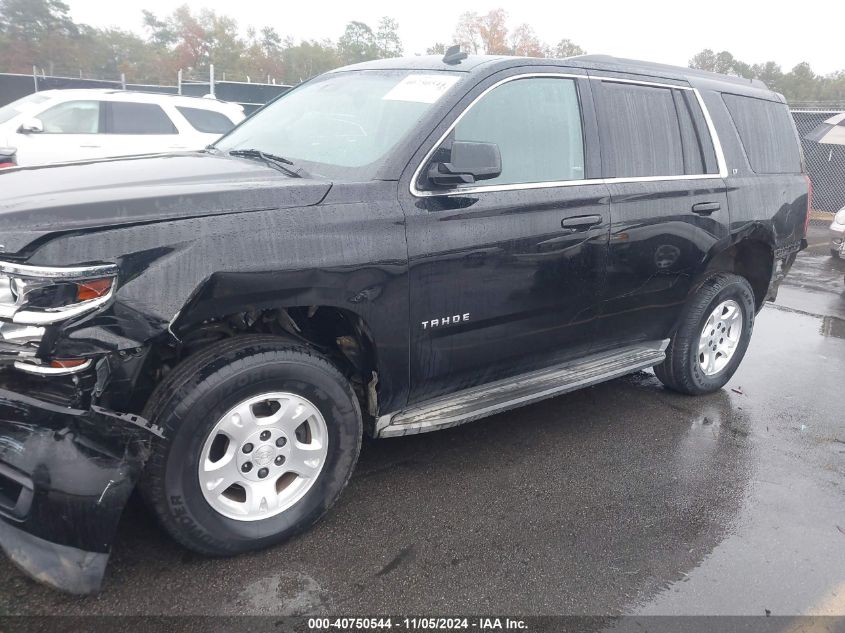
{"x": 38, "y": 295}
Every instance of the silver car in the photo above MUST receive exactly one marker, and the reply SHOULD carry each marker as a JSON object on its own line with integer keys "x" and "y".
{"x": 837, "y": 234}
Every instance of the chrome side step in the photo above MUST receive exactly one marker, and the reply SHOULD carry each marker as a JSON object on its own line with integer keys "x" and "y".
{"x": 479, "y": 402}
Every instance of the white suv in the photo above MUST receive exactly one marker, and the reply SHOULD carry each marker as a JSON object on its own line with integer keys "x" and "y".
{"x": 66, "y": 125}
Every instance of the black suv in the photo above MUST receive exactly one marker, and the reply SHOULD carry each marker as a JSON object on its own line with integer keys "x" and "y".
{"x": 390, "y": 248}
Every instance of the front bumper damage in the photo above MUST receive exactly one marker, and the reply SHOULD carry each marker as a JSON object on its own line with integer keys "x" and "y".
{"x": 65, "y": 476}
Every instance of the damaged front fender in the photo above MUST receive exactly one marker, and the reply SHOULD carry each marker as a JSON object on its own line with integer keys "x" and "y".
{"x": 65, "y": 477}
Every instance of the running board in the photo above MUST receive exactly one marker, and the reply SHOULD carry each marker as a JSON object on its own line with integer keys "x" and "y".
{"x": 479, "y": 402}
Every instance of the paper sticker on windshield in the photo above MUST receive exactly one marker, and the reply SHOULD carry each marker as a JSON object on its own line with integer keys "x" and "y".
{"x": 421, "y": 88}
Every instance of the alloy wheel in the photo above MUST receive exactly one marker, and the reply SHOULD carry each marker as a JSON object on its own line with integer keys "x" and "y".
{"x": 262, "y": 456}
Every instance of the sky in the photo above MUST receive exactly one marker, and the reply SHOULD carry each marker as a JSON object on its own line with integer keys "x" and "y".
{"x": 661, "y": 31}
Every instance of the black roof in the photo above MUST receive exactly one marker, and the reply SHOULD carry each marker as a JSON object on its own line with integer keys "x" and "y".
{"x": 492, "y": 63}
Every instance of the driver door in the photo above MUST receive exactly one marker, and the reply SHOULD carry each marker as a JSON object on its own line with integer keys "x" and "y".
{"x": 505, "y": 273}
{"x": 71, "y": 131}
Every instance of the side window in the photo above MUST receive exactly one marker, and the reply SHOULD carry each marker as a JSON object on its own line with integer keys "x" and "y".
{"x": 536, "y": 122}
{"x": 699, "y": 154}
{"x": 137, "y": 118}
{"x": 652, "y": 131}
{"x": 767, "y": 134}
{"x": 206, "y": 121}
{"x": 639, "y": 130}
{"x": 72, "y": 117}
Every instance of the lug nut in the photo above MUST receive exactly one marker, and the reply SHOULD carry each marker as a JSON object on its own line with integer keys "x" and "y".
{"x": 247, "y": 448}
{"x": 265, "y": 435}
{"x": 263, "y": 472}
{"x": 280, "y": 460}
{"x": 281, "y": 442}
{"x": 246, "y": 467}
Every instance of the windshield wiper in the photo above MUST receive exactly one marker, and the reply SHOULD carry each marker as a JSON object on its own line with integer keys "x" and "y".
{"x": 280, "y": 162}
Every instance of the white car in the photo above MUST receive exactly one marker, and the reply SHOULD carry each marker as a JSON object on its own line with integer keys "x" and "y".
{"x": 66, "y": 125}
{"x": 837, "y": 234}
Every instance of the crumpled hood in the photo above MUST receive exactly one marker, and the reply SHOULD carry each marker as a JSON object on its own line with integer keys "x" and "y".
{"x": 38, "y": 201}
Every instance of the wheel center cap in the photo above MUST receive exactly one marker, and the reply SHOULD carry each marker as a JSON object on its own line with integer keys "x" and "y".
{"x": 263, "y": 455}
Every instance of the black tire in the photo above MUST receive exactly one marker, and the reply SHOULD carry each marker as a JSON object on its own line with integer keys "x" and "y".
{"x": 197, "y": 393}
{"x": 681, "y": 371}
{"x": 834, "y": 253}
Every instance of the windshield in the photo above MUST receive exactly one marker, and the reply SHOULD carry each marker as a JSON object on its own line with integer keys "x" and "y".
{"x": 342, "y": 126}
{"x": 10, "y": 111}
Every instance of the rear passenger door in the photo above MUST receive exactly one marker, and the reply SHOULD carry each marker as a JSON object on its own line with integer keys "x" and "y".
{"x": 668, "y": 203}
{"x": 137, "y": 128}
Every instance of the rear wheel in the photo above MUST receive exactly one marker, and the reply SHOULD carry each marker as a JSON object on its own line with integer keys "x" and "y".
{"x": 712, "y": 336}
{"x": 261, "y": 437}
{"x": 834, "y": 253}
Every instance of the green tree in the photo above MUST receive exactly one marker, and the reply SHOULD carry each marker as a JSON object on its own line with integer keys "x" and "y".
{"x": 705, "y": 60}
{"x": 567, "y": 48}
{"x": 308, "y": 58}
{"x": 801, "y": 84}
{"x": 36, "y": 32}
{"x": 110, "y": 52}
{"x": 741, "y": 69}
{"x": 387, "y": 39}
{"x": 357, "y": 44}
{"x": 35, "y": 19}
{"x": 194, "y": 41}
{"x": 263, "y": 57}
{"x": 769, "y": 73}
{"x": 833, "y": 88}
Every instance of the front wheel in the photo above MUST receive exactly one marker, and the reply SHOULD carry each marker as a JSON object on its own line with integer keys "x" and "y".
{"x": 261, "y": 436}
{"x": 711, "y": 338}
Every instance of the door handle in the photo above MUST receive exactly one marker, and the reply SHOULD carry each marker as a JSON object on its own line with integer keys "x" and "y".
{"x": 706, "y": 208}
{"x": 580, "y": 222}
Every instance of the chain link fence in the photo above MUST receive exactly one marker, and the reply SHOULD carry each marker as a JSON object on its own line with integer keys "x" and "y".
{"x": 825, "y": 163}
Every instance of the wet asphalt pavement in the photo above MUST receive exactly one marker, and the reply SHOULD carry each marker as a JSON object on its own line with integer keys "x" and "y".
{"x": 621, "y": 498}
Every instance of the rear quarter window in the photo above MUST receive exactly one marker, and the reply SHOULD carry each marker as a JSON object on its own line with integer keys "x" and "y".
{"x": 766, "y": 131}
{"x": 206, "y": 121}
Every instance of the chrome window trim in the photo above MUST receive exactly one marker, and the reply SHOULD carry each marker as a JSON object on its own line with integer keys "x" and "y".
{"x": 711, "y": 128}
{"x": 62, "y": 272}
